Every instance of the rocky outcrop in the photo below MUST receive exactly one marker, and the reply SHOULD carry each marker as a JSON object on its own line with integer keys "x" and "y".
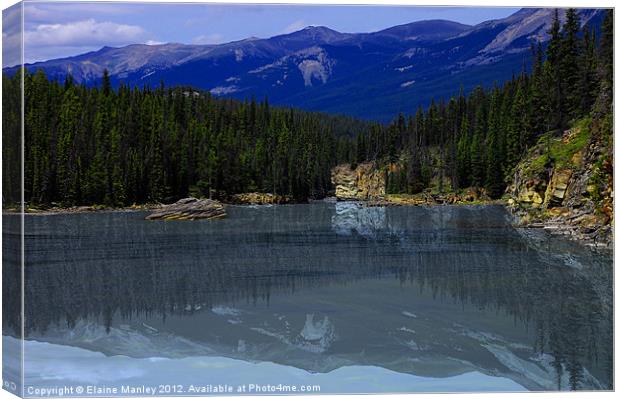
{"x": 259, "y": 199}
{"x": 565, "y": 185}
{"x": 364, "y": 182}
{"x": 530, "y": 192}
{"x": 427, "y": 198}
{"x": 367, "y": 182}
{"x": 557, "y": 187}
{"x": 189, "y": 209}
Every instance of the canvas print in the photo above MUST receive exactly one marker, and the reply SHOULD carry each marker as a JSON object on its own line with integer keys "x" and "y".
{"x": 242, "y": 199}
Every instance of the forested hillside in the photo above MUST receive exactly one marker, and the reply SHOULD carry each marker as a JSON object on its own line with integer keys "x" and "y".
{"x": 89, "y": 146}
{"x": 101, "y": 146}
{"x": 479, "y": 139}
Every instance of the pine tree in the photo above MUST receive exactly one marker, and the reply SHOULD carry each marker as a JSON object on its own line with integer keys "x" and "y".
{"x": 106, "y": 86}
{"x": 494, "y": 154}
{"x": 476, "y": 160}
{"x": 538, "y": 105}
{"x": 606, "y": 59}
{"x": 477, "y": 153}
{"x": 68, "y": 168}
{"x": 606, "y": 50}
{"x": 415, "y": 180}
{"x": 569, "y": 65}
{"x": 463, "y": 155}
{"x": 517, "y": 129}
{"x": 157, "y": 182}
{"x": 553, "y": 80}
{"x": 588, "y": 82}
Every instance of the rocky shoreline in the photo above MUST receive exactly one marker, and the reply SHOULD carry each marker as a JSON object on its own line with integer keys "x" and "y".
{"x": 59, "y": 210}
{"x": 589, "y": 229}
{"x": 466, "y": 197}
{"x": 571, "y": 196}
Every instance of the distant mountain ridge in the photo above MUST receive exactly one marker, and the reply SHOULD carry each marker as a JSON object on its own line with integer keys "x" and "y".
{"x": 370, "y": 75}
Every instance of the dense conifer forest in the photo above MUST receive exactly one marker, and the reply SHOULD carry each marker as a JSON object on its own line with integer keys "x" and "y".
{"x": 118, "y": 147}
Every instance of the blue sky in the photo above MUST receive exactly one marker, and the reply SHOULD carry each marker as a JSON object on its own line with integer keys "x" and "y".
{"x": 54, "y": 30}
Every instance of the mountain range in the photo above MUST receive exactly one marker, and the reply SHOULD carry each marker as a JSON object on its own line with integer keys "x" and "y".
{"x": 369, "y": 75}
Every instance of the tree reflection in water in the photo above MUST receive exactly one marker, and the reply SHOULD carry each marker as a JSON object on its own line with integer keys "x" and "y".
{"x": 107, "y": 265}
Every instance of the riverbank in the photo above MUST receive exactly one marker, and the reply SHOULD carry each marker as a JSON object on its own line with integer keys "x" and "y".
{"x": 592, "y": 230}
{"x": 564, "y": 184}
{"x": 422, "y": 199}
{"x": 253, "y": 198}
{"x": 431, "y": 199}
{"x": 60, "y": 210}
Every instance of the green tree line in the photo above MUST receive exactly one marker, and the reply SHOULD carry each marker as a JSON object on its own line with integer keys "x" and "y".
{"x": 119, "y": 147}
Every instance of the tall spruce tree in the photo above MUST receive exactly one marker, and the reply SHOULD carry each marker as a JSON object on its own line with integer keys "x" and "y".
{"x": 494, "y": 148}
{"x": 588, "y": 79}
{"x": 570, "y": 66}
{"x": 553, "y": 75}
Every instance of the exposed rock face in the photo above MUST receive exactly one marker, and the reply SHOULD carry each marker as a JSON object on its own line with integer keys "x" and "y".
{"x": 367, "y": 182}
{"x": 362, "y": 183}
{"x": 530, "y": 192}
{"x": 566, "y": 185}
{"x": 260, "y": 199}
{"x": 189, "y": 209}
{"x": 470, "y": 195}
{"x": 556, "y": 189}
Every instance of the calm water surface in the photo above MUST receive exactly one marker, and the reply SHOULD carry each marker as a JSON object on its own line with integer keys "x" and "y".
{"x": 350, "y": 298}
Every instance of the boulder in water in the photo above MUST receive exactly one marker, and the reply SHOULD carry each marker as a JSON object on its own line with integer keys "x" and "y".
{"x": 189, "y": 209}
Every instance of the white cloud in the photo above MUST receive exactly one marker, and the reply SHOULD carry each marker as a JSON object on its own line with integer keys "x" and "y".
{"x": 294, "y": 26}
{"x": 153, "y": 42}
{"x": 11, "y": 39}
{"x": 81, "y": 33}
{"x": 48, "y": 41}
{"x": 214, "y": 38}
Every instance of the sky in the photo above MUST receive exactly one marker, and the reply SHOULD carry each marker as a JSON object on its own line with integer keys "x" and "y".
{"x": 57, "y": 29}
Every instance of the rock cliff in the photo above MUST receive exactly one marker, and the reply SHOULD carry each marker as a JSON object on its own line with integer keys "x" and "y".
{"x": 364, "y": 182}
{"x": 367, "y": 182}
{"x": 566, "y": 183}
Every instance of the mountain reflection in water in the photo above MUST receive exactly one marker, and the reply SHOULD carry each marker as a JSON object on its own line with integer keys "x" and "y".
{"x": 428, "y": 291}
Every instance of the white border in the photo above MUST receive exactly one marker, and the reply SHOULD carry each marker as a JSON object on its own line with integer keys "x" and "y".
{"x": 479, "y": 3}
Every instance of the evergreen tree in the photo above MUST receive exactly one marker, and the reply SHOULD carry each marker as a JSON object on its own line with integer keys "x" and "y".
{"x": 494, "y": 154}
{"x": 463, "y": 155}
{"x": 606, "y": 58}
{"x": 517, "y": 129}
{"x": 553, "y": 71}
{"x": 538, "y": 105}
{"x": 588, "y": 82}
{"x": 68, "y": 169}
{"x": 569, "y": 66}
{"x": 477, "y": 153}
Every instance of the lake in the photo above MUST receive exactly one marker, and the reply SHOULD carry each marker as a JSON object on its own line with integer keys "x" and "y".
{"x": 323, "y": 297}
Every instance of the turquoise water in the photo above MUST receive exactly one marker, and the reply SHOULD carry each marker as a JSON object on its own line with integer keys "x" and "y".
{"x": 427, "y": 299}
